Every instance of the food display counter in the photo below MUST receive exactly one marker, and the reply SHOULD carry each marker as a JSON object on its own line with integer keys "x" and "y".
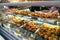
{"x": 19, "y": 22}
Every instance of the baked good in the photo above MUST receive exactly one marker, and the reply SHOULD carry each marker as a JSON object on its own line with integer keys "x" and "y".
{"x": 48, "y": 30}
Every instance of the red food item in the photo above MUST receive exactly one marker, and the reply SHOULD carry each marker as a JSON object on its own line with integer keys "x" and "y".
{"x": 11, "y": 10}
{"x": 30, "y": 26}
{"x": 23, "y": 13}
{"x": 33, "y": 14}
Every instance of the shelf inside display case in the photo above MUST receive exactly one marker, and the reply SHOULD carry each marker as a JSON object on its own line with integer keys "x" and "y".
{"x": 37, "y": 3}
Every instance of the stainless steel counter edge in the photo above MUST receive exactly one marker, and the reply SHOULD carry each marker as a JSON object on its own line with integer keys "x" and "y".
{"x": 37, "y": 3}
{"x": 8, "y": 34}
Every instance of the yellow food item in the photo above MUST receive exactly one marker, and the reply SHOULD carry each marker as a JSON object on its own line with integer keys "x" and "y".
{"x": 48, "y": 30}
{"x": 45, "y": 36}
{"x": 16, "y": 20}
{"x": 50, "y": 38}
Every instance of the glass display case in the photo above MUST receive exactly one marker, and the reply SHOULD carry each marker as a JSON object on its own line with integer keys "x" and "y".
{"x": 19, "y": 22}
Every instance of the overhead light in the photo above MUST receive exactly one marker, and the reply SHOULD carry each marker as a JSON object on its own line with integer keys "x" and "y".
{"x": 13, "y": 1}
{"x": 26, "y": 1}
{"x": 5, "y": 7}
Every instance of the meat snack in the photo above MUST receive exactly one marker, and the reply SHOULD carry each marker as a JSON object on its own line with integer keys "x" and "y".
{"x": 22, "y": 12}
{"x": 45, "y": 15}
{"x": 30, "y": 26}
{"x": 12, "y": 10}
